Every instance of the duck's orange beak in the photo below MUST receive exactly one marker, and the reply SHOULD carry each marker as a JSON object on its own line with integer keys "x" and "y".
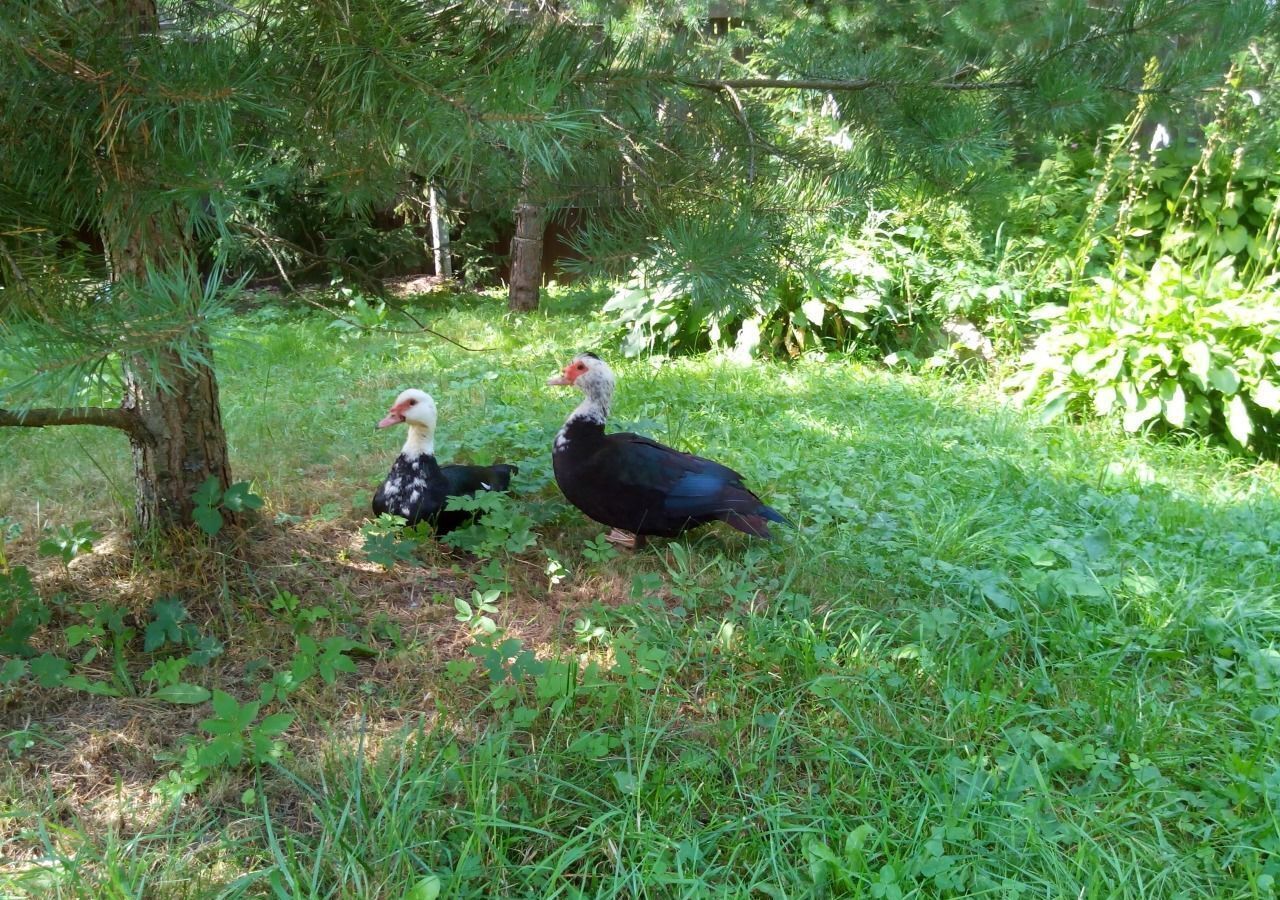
{"x": 395, "y": 415}
{"x": 562, "y": 378}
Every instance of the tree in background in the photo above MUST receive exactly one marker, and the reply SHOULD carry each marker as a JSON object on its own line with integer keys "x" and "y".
{"x": 141, "y": 140}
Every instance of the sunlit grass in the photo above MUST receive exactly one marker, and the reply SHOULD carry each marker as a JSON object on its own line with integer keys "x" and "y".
{"x": 993, "y": 657}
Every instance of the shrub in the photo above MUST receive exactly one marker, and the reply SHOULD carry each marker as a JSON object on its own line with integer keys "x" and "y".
{"x": 886, "y": 287}
{"x": 1185, "y": 348}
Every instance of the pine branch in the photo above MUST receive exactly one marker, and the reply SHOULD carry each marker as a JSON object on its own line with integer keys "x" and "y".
{"x": 1125, "y": 31}
{"x": 835, "y": 84}
{"x": 108, "y": 417}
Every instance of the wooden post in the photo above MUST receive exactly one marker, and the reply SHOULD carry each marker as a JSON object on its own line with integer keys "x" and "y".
{"x": 439, "y": 235}
{"x": 526, "y": 256}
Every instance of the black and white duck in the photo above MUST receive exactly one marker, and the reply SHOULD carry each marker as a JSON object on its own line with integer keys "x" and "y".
{"x": 418, "y": 487}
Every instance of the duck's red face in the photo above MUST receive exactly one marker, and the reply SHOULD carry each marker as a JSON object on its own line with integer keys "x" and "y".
{"x": 571, "y": 373}
{"x": 412, "y": 406}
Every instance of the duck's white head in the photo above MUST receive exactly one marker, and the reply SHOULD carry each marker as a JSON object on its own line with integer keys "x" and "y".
{"x": 592, "y": 375}
{"x": 417, "y": 410}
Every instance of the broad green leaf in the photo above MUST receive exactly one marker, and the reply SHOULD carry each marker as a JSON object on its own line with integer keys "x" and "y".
{"x": 208, "y": 519}
{"x": 1225, "y": 379}
{"x": 1097, "y": 543}
{"x": 209, "y": 492}
{"x": 276, "y": 723}
{"x": 814, "y": 311}
{"x": 1104, "y": 400}
{"x": 1266, "y": 395}
{"x": 1175, "y": 403}
{"x": 167, "y": 614}
{"x": 49, "y": 670}
{"x": 1085, "y": 361}
{"x": 75, "y": 634}
{"x": 1147, "y": 408}
{"x": 427, "y": 888}
{"x": 1077, "y": 584}
{"x": 225, "y": 705}
{"x": 1055, "y": 405}
{"x": 990, "y": 583}
{"x": 1238, "y": 421}
{"x": 183, "y": 693}
{"x": 81, "y": 683}
{"x": 13, "y": 670}
{"x": 1236, "y": 239}
{"x": 238, "y": 497}
{"x": 1198, "y": 358}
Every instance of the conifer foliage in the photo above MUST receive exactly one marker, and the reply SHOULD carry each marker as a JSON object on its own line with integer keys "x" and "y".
{"x": 141, "y": 138}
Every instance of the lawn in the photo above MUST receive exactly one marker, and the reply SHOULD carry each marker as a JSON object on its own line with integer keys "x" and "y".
{"x": 993, "y": 656}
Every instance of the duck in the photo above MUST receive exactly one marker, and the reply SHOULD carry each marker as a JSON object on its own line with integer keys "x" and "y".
{"x": 418, "y": 488}
{"x": 635, "y": 485}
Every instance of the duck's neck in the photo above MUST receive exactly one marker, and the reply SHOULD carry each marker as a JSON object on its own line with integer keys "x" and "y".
{"x": 420, "y": 442}
{"x": 594, "y": 407}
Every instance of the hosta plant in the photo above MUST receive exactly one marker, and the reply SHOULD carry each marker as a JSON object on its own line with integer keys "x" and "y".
{"x": 1179, "y": 348}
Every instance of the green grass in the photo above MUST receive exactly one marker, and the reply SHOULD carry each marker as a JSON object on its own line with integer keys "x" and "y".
{"x": 994, "y": 657}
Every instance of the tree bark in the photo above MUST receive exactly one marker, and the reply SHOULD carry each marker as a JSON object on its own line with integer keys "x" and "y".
{"x": 182, "y": 442}
{"x": 439, "y": 234}
{"x": 526, "y": 256}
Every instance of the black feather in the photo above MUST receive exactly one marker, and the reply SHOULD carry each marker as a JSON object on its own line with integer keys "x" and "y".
{"x": 634, "y": 483}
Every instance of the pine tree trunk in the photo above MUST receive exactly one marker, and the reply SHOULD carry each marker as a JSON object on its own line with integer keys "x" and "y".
{"x": 526, "y": 256}
{"x": 183, "y": 443}
{"x": 439, "y": 235}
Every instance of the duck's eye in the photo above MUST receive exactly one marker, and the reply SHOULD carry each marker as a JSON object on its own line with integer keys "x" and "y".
{"x": 581, "y": 367}
{"x": 412, "y": 402}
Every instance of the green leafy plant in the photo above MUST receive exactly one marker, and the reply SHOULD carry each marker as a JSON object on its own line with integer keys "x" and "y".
{"x": 67, "y": 542}
{"x": 166, "y": 626}
{"x": 328, "y": 658}
{"x": 387, "y": 540}
{"x": 166, "y": 675}
{"x": 890, "y": 284}
{"x": 476, "y": 614}
{"x": 166, "y": 672}
{"x": 1188, "y": 349}
{"x": 493, "y": 577}
{"x": 24, "y": 612}
{"x": 289, "y": 607}
{"x": 9, "y": 531}
{"x": 100, "y": 620}
{"x": 505, "y": 657}
{"x": 599, "y": 550}
{"x": 585, "y": 633}
{"x": 505, "y": 527}
{"x": 235, "y": 737}
{"x": 210, "y": 500}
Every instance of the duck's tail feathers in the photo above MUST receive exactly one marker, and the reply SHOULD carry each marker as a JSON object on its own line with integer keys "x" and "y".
{"x": 756, "y": 523}
{"x": 502, "y": 473}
